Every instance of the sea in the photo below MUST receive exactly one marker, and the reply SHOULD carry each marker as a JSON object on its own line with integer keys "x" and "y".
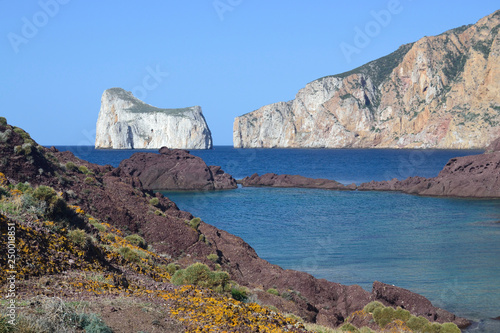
{"x": 446, "y": 249}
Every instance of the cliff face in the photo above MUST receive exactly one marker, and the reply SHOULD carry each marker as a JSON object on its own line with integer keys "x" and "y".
{"x": 126, "y": 122}
{"x": 440, "y": 92}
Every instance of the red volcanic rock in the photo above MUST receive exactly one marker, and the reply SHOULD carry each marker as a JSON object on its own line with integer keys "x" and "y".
{"x": 174, "y": 169}
{"x": 417, "y": 305}
{"x": 475, "y": 176}
{"x": 274, "y": 180}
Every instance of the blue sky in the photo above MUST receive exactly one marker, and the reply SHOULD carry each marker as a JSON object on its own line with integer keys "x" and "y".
{"x": 229, "y": 56}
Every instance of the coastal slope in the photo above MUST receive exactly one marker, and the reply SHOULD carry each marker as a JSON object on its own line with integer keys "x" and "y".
{"x": 125, "y": 122}
{"x": 439, "y": 92}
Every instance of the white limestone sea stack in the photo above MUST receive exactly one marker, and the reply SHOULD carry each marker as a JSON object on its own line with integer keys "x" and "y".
{"x": 126, "y": 122}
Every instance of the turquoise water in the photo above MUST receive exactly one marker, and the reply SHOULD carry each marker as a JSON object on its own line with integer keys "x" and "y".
{"x": 445, "y": 249}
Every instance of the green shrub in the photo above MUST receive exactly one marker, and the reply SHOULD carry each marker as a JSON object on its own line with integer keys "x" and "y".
{"x": 383, "y": 316}
{"x": 370, "y": 307}
{"x": 22, "y": 133}
{"x": 287, "y": 295}
{"x": 273, "y": 291}
{"x": 30, "y": 204}
{"x": 129, "y": 255}
{"x": 195, "y": 223}
{"x": 154, "y": 202}
{"x": 159, "y": 213}
{"x": 172, "y": 268}
{"x": 23, "y": 187}
{"x": 45, "y": 193}
{"x": 83, "y": 169}
{"x": 213, "y": 257}
{"x": 200, "y": 275}
{"x": 137, "y": 241}
{"x": 401, "y": 314}
{"x": 239, "y": 293}
{"x": 417, "y": 324}
{"x": 449, "y": 328}
{"x": 432, "y": 328}
{"x": 99, "y": 226}
{"x": 4, "y": 192}
{"x": 111, "y": 237}
{"x": 4, "y": 136}
{"x": 55, "y": 205}
{"x": 70, "y": 166}
{"x": 91, "y": 323}
{"x": 89, "y": 180}
{"x": 79, "y": 237}
{"x": 348, "y": 327}
{"x": 3, "y": 121}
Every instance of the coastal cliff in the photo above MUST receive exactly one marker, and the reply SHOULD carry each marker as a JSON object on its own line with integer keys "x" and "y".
{"x": 439, "y": 92}
{"x": 126, "y": 122}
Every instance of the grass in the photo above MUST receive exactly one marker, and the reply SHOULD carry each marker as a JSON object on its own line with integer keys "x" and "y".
{"x": 52, "y": 314}
{"x": 139, "y": 106}
{"x": 380, "y": 69}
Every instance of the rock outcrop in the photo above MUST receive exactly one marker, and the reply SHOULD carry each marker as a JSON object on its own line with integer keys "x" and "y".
{"x": 439, "y": 92}
{"x": 474, "y": 176}
{"x": 126, "y": 122}
{"x": 394, "y": 296}
{"x": 175, "y": 169}
{"x": 274, "y": 180}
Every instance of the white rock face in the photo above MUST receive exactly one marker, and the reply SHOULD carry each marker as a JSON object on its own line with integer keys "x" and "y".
{"x": 126, "y": 122}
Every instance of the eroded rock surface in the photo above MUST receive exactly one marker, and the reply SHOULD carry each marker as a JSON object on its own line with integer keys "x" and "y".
{"x": 125, "y": 122}
{"x": 439, "y": 92}
{"x": 274, "y": 180}
{"x": 175, "y": 169}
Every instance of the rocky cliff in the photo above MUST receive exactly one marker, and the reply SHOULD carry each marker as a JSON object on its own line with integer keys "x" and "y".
{"x": 439, "y": 92}
{"x": 126, "y": 122}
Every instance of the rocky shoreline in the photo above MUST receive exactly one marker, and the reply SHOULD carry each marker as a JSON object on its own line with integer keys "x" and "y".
{"x": 274, "y": 180}
{"x": 475, "y": 176}
{"x": 121, "y": 198}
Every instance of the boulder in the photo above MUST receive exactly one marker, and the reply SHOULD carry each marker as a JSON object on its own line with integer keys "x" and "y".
{"x": 174, "y": 169}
